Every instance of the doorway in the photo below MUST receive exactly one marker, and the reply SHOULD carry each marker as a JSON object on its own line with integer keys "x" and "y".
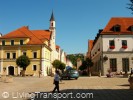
{"x": 10, "y": 70}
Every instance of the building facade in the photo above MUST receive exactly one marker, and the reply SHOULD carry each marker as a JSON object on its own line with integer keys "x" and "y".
{"x": 112, "y": 47}
{"x": 38, "y": 45}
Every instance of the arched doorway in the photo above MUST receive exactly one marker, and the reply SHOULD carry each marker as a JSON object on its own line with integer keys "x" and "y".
{"x": 10, "y": 70}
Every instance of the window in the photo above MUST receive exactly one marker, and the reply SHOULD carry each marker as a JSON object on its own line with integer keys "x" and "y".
{"x": 117, "y": 28}
{"x": 51, "y": 24}
{"x": 3, "y": 42}
{"x": 131, "y": 28}
{"x": 34, "y": 67}
{"x": 113, "y": 65}
{"x": 8, "y": 55}
{"x": 21, "y": 42}
{"x": 124, "y": 44}
{"x": 125, "y": 64}
{"x": 24, "y": 53}
{"x": 111, "y": 44}
{"x": 13, "y": 55}
{"x": 34, "y": 54}
{"x": 12, "y": 42}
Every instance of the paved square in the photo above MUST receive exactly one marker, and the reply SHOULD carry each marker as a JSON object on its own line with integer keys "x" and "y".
{"x": 85, "y": 88}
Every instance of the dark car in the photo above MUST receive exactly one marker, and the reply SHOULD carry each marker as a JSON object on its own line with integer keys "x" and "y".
{"x": 68, "y": 74}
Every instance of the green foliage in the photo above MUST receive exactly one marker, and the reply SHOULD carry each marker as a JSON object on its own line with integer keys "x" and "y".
{"x": 73, "y": 58}
{"x": 89, "y": 62}
{"x": 85, "y": 64}
{"x": 130, "y": 5}
{"x": 62, "y": 66}
{"x": 23, "y": 61}
{"x": 58, "y": 65}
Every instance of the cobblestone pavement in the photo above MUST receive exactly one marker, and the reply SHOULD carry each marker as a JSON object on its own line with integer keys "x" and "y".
{"x": 85, "y": 88}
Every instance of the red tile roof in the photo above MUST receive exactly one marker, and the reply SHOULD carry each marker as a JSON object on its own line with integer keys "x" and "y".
{"x": 90, "y": 44}
{"x": 124, "y": 22}
{"x": 35, "y": 36}
{"x": 57, "y": 47}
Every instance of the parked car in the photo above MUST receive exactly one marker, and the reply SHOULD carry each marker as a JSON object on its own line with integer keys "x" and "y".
{"x": 68, "y": 74}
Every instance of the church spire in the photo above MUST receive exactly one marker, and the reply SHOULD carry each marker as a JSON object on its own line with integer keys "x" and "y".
{"x": 52, "y": 17}
{"x": 52, "y": 22}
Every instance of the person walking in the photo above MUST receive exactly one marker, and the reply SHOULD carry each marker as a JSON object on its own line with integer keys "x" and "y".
{"x": 56, "y": 82}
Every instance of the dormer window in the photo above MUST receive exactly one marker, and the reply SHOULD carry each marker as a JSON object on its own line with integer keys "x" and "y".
{"x": 131, "y": 28}
{"x": 117, "y": 28}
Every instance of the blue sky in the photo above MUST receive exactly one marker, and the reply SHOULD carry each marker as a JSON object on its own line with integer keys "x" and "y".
{"x": 76, "y": 20}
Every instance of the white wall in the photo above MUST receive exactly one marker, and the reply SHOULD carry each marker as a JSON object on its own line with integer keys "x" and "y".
{"x": 117, "y": 39}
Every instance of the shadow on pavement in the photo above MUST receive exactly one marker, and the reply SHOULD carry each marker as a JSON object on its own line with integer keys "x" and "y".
{"x": 86, "y": 94}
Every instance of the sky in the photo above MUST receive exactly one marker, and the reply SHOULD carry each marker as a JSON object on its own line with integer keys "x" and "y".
{"x": 77, "y": 21}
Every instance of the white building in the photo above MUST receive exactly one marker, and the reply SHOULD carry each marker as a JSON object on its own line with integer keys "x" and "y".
{"x": 112, "y": 47}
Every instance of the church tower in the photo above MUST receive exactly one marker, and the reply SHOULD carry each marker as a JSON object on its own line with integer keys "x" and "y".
{"x": 53, "y": 36}
{"x": 52, "y": 23}
{"x": 52, "y": 27}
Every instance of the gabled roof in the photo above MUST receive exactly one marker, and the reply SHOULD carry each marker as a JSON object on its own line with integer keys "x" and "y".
{"x": 19, "y": 33}
{"x": 123, "y": 22}
{"x": 35, "y": 36}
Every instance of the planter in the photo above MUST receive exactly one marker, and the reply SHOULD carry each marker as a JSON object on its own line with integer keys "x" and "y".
{"x": 105, "y": 58}
{"x": 108, "y": 75}
{"x": 112, "y": 47}
{"x": 124, "y": 47}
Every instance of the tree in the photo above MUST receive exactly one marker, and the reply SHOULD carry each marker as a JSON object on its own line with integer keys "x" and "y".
{"x": 62, "y": 66}
{"x": 56, "y": 64}
{"x": 130, "y": 6}
{"x": 23, "y": 61}
{"x": 73, "y": 58}
{"x": 83, "y": 66}
{"x": 89, "y": 64}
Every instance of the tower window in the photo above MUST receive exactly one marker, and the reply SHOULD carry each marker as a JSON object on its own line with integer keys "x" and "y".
{"x": 51, "y": 24}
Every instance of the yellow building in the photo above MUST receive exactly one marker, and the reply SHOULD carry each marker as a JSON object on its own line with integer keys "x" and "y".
{"x": 38, "y": 45}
